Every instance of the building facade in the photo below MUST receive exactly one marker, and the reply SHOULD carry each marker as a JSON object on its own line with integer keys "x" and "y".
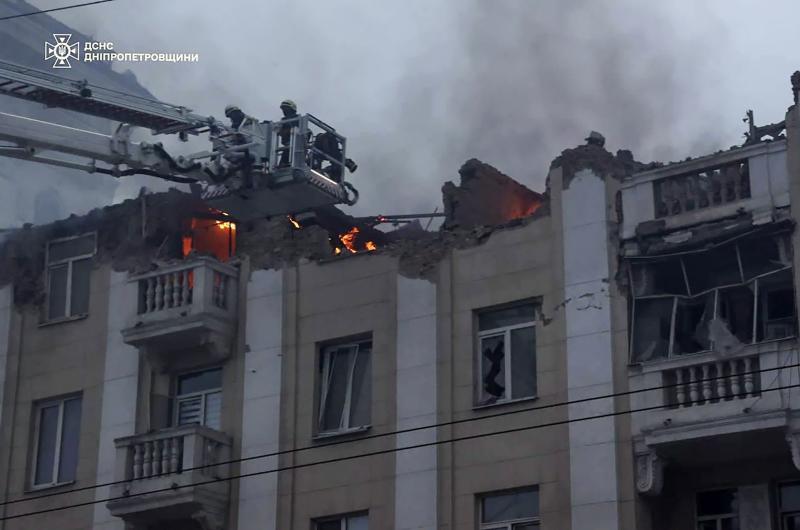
{"x": 617, "y": 353}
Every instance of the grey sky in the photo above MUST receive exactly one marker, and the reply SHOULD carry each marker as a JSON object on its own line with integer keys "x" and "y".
{"x": 419, "y": 86}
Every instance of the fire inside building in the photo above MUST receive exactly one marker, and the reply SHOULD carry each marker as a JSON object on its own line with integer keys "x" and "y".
{"x": 617, "y": 351}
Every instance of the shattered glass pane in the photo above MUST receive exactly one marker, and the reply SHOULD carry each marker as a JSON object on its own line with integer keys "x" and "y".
{"x": 493, "y": 372}
{"x": 659, "y": 277}
{"x": 507, "y": 316}
{"x": 717, "y": 267}
{"x": 651, "y": 328}
{"x": 735, "y": 309}
{"x": 720, "y": 502}
{"x": 523, "y": 362}
{"x": 776, "y": 307}
{"x": 761, "y": 255}
{"x": 692, "y": 317}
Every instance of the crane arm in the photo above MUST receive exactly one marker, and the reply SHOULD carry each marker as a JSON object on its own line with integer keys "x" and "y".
{"x": 31, "y": 139}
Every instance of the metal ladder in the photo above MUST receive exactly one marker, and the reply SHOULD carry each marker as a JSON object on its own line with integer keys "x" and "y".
{"x": 56, "y": 91}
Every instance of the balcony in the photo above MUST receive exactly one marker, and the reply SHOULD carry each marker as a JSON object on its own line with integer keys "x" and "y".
{"x": 190, "y": 305}
{"x": 753, "y": 179}
{"x": 168, "y": 463}
{"x": 713, "y": 406}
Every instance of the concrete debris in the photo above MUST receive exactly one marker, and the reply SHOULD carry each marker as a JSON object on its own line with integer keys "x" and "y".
{"x": 486, "y": 196}
{"x": 594, "y": 156}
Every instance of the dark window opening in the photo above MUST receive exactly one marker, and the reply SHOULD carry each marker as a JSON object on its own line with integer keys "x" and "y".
{"x": 692, "y": 316}
{"x": 215, "y": 237}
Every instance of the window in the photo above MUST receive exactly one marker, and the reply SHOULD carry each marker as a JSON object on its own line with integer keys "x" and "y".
{"x": 199, "y": 398}
{"x": 510, "y": 510}
{"x": 717, "y": 299}
{"x": 789, "y": 505}
{"x": 345, "y": 387}
{"x": 69, "y": 265}
{"x": 507, "y": 353}
{"x": 56, "y": 434}
{"x": 343, "y": 522}
{"x": 718, "y": 510}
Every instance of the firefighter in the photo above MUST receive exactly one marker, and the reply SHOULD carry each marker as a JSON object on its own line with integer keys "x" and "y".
{"x": 289, "y": 109}
{"x": 238, "y": 118}
{"x": 327, "y": 143}
{"x": 241, "y": 162}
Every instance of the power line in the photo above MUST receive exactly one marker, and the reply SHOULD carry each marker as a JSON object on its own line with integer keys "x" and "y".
{"x": 364, "y": 455}
{"x": 410, "y": 429}
{"x": 20, "y": 15}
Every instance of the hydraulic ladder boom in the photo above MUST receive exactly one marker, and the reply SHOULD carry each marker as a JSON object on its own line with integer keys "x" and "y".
{"x": 258, "y": 169}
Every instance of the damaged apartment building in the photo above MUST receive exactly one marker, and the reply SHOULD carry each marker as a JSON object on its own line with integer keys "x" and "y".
{"x": 618, "y": 351}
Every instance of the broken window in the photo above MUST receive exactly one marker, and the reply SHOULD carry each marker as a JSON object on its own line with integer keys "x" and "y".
{"x": 789, "y": 505}
{"x": 718, "y": 510}
{"x": 507, "y": 353}
{"x": 736, "y": 294}
{"x": 345, "y": 387}
{"x": 69, "y": 266}
{"x": 213, "y": 236}
{"x": 510, "y": 510}
{"x": 198, "y": 398}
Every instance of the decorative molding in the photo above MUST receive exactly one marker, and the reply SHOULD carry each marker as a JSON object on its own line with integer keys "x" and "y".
{"x": 649, "y": 472}
{"x": 793, "y": 439}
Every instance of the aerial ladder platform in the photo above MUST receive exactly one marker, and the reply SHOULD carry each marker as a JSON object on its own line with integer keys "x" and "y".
{"x": 259, "y": 169}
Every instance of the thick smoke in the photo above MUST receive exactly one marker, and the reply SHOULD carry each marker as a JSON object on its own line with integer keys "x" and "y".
{"x": 418, "y": 87}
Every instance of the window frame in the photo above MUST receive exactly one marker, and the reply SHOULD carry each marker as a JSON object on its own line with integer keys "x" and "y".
{"x": 323, "y": 372}
{"x": 508, "y": 524}
{"x": 781, "y": 513}
{"x": 69, "y": 262}
{"x": 719, "y": 517}
{"x": 38, "y": 407}
{"x": 177, "y": 398}
{"x": 505, "y": 332}
{"x": 756, "y": 281}
{"x": 343, "y": 519}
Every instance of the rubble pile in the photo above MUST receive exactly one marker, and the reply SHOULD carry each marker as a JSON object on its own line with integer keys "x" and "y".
{"x": 486, "y": 196}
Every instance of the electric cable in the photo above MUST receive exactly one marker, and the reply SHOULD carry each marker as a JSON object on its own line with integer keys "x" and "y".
{"x": 423, "y": 427}
{"x": 20, "y": 15}
{"x": 175, "y": 487}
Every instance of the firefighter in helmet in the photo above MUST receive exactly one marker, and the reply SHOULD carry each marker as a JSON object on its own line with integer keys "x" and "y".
{"x": 289, "y": 109}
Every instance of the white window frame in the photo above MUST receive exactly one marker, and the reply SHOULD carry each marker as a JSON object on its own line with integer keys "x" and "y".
{"x": 507, "y": 524}
{"x": 203, "y": 394}
{"x": 38, "y": 407}
{"x": 69, "y": 262}
{"x": 718, "y": 517}
{"x": 505, "y": 331}
{"x": 783, "y": 513}
{"x": 342, "y": 519}
{"x": 344, "y": 422}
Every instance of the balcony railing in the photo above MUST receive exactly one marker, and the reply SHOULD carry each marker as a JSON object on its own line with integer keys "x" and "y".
{"x": 710, "y": 187}
{"x": 179, "y": 466}
{"x": 710, "y": 382}
{"x": 187, "y": 305}
{"x": 201, "y": 284}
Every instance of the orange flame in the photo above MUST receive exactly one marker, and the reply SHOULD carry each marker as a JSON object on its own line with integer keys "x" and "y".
{"x": 293, "y": 221}
{"x": 371, "y": 246}
{"x": 349, "y": 239}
